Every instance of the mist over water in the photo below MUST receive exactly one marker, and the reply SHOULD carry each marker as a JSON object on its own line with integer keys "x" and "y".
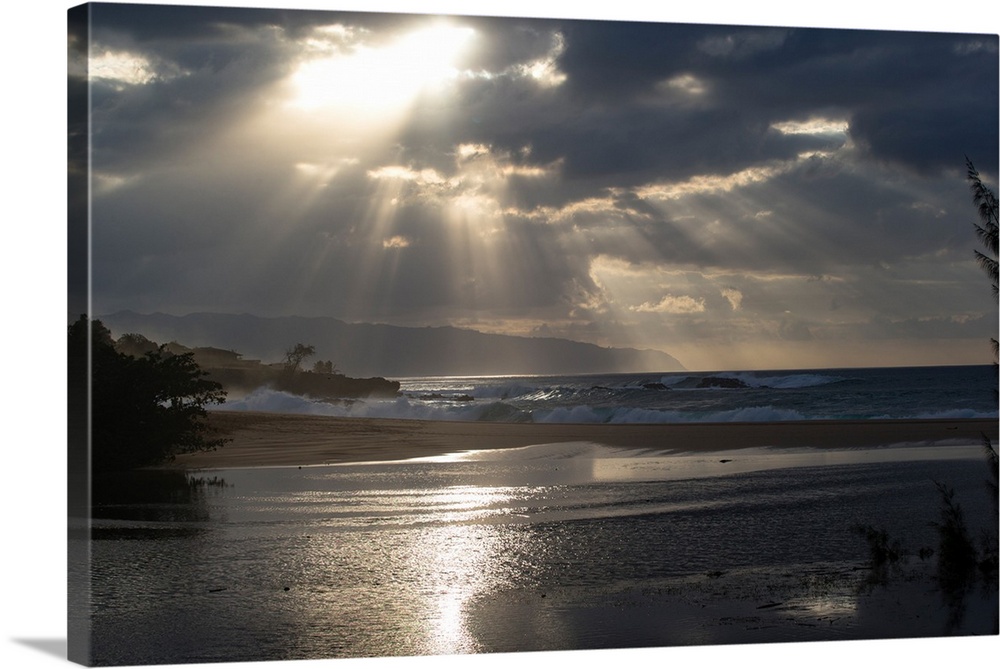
{"x": 901, "y": 393}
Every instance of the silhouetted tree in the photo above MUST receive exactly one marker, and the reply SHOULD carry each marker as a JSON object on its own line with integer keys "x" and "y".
{"x": 144, "y": 410}
{"x": 325, "y": 367}
{"x": 959, "y": 562}
{"x": 986, "y": 202}
{"x": 987, "y": 231}
{"x": 296, "y": 354}
{"x": 135, "y": 345}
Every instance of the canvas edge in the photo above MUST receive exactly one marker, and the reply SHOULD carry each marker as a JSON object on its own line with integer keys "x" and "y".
{"x": 78, "y": 372}
{"x": 78, "y": 649}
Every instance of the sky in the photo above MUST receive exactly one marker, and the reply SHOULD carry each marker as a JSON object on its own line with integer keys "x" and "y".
{"x": 738, "y": 197}
{"x": 35, "y": 301}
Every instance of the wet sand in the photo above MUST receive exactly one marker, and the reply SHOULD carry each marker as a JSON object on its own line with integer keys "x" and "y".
{"x": 274, "y": 439}
{"x": 823, "y": 600}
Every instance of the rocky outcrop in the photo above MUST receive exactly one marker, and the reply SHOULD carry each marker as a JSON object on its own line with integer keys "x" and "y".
{"x": 319, "y": 386}
{"x": 721, "y": 382}
{"x": 335, "y": 385}
{"x": 238, "y": 375}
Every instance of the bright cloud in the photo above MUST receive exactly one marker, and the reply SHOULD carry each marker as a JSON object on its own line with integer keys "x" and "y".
{"x": 424, "y": 176}
{"x": 723, "y": 183}
{"x": 812, "y": 126}
{"x": 687, "y": 84}
{"x": 545, "y": 71}
{"x": 395, "y": 242}
{"x": 734, "y": 297}
{"x": 672, "y": 304}
{"x": 125, "y": 68}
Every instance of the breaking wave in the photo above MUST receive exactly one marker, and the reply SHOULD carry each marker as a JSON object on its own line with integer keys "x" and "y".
{"x": 679, "y": 397}
{"x": 269, "y": 400}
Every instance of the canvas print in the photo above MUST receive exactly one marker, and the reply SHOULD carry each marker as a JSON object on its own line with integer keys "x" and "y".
{"x": 412, "y": 335}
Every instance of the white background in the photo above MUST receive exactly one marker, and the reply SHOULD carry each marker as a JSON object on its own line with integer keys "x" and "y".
{"x": 32, "y": 371}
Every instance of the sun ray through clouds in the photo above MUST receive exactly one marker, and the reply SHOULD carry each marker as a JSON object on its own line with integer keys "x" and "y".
{"x": 339, "y": 109}
{"x": 507, "y": 175}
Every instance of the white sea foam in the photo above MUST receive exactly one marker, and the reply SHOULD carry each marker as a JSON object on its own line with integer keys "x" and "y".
{"x": 403, "y": 407}
{"x": 268, "y": 399}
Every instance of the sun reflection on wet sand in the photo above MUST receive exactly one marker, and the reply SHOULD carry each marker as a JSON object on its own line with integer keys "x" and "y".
{"x": 835, "y": 605}
{"x": 455, "y": 562}
{"x": 585, "y": 462}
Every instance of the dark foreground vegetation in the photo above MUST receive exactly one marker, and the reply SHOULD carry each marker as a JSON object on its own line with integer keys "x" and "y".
{"x": 148, "y": 402}
{"x": 143, "y": 410}
{"x": 963, "y": 560}
{"x": 238, "y": 375}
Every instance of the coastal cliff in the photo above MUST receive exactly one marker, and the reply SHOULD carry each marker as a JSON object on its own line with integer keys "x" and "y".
{"x": 312, "y": 384}
{"x": 369, "y": 349}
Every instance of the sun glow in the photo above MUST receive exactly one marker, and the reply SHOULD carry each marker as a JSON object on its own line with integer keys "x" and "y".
{"x": 456, "y": 559}
{"x": 373, "y": 79}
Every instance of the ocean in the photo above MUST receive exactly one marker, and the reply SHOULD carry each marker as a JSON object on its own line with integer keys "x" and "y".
{"x": 835, "y": 394}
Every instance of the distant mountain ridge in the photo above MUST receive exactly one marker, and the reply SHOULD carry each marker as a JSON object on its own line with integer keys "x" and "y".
{"x": 365, "y": 349}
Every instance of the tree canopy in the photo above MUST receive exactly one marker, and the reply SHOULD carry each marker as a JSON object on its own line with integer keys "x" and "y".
{"x": 296, "y": 354}
{"x": 986, "y": 203}
{"x": 144, "y": 409}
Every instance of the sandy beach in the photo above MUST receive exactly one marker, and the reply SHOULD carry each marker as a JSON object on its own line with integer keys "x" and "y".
{"x": 275, "y": 439}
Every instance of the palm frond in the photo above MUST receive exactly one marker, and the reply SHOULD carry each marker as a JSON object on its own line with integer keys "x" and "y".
{"x": 986, "y": 230}
{"x": 993, "y": 463}
{"x": 989, "y": 265}
{"x": 987, "y": 236}
{"x": 983, "y": 197}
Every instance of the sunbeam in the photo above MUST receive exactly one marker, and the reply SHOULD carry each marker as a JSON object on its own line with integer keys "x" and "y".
{"x": 513, "y": 177}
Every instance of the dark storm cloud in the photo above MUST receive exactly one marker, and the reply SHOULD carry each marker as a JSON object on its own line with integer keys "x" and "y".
{"x": 196, "y": 89}
{"x": 910, "y": 97}
{"x": 196, "y": 25}
{"x": 612, "y": 62}
{"x": 925, "y": 138}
